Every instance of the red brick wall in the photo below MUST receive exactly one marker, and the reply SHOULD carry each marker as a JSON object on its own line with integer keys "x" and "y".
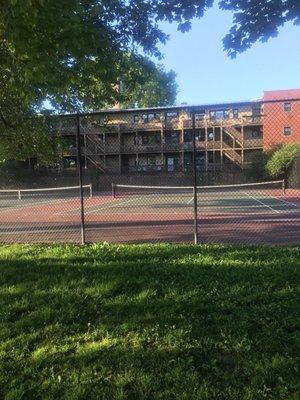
{"x": 276, "y": 119}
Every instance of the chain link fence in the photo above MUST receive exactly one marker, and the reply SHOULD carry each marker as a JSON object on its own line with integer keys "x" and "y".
{"x": 210, "y": 174}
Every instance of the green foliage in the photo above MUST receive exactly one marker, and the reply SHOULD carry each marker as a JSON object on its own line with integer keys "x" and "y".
{"x": 257, "y": 168}
{"x": 156, "y": 87}
{"x": 72, "y": 53}
{"x": 282, "y": 158}
{"x": 148, "y": 322}
{"x": 31, "y": 138}
{"x": 257, "y": 20}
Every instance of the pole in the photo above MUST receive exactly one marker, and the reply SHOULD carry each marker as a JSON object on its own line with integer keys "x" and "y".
{"x": 283, "y": 187}
{"x": 79, "y": 162}
{"x": 195, "y": 180}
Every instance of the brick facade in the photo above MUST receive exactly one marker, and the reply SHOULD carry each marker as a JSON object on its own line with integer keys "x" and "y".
{"x": 281, "y": 121}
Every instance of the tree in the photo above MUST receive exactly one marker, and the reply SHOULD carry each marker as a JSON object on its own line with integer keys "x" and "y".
{"x": 256, "y": 171}
{"x": 72, "y": 52}
{"x": 155, "y": 87}
{"x": 257, "y": 20}
{"x": 282, "y": 159}
{"x": 33, "y": 138}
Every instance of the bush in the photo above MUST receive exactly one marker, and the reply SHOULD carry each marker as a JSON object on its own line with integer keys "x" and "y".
{"x": 257, "y": 169}
{"x": 282, "y": 159}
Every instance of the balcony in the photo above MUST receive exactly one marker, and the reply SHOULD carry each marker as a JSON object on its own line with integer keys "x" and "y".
{"x": 143, "y": 168}
{"x": 253, "y": 143}
{"x": 213, "y": 144}
{"x": 141, "y": 148}
{"x": 172, "y": 146}
{"x": 112, "y": 149}
{"x": 253, "y": 120}
{"x": 69, "y": 127}
{"x": 140, "y": 126}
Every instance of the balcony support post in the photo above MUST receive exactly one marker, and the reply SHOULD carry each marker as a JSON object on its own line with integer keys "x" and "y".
{"x": 85, "y": 156}
{"x": 206, "y": 146}
{"x": 242, "y": 131}
{"x": 221, "y": 139}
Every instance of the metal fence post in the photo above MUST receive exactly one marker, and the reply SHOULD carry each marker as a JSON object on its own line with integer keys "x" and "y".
{"x": 196, "y": 241}
{"x": 79, "y": 162}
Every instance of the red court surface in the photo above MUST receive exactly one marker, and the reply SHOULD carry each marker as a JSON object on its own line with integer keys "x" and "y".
{"x": 230, "y": 218}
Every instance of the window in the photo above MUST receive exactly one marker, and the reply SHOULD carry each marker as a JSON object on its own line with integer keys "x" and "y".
{"x": 200, "y": 135}
{"x": 200, "y": 116}
{"x": 150, "y": 139}
{"x": 210, "y": 158}
{"x": 172, "y": 138}
{"x": 256, "y": 111}
{"x": 219, "y": 114}
{"x": 150, "y": 117}
{"x": 188, "y": 136}
{"x": 287, "y": 106}
{"x": 136, "y": 118}
{"x": 200, "y": 158}
{"x": 256, "y": 134}
{"x": 210, "y": 134}
{"x": 235, "y": 113}
{"x": 287, "y": 131}
{"x": 172, "y": 114}
{"x": 188, "y": 159}
{"x": 151, "y": 160}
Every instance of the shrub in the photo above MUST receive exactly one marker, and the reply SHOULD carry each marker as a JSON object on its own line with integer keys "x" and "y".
{"x": 257, "y": 168}
{"x": 282, "y": 159}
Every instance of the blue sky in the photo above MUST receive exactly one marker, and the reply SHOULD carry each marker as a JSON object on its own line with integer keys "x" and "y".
{"x": 206, "y": 74}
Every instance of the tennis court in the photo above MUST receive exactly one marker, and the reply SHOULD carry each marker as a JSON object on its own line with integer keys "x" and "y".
{"x": 252, "y": 213}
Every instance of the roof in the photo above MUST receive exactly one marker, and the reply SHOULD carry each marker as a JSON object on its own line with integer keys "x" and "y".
{"x": 287, "y": 94}
{"x": 182, "y": 107}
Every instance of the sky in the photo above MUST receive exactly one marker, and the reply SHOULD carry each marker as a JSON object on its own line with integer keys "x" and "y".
{"x": 206, "y": 74}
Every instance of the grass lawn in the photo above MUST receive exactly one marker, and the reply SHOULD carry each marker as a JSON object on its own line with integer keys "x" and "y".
{"x": 149, "y": 322}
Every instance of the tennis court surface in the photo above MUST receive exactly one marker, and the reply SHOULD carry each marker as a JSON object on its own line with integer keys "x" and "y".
{"x": 265, "y": 213}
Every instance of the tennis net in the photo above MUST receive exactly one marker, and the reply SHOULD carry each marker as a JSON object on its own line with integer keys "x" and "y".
{"x": 46, "y": 193}
{"x": 273, "y": 188}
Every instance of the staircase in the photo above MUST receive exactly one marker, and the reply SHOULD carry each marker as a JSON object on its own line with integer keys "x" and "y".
{"x": 234, "y": 134}
{"x": 234, "y": 156}
{"x": 95, "y": 151}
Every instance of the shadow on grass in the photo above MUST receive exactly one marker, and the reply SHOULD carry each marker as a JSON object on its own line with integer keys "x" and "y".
{"x": 147, "y": 322}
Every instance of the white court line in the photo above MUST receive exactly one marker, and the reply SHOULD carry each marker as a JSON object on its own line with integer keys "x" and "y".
{"x": 24, "y": 205}
{"x": 96, "y": 207}
{"x": 107, "y": 206}
{"x": 286, "y": 202}
{"x": 261, "y": 202}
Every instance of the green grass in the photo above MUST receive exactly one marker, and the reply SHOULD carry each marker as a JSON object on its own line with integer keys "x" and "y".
{"x": 149, "y": 322}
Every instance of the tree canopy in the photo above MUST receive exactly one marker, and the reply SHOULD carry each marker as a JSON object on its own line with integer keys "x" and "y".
{"x": 281, "y": 159}
{"x": 72, "y": 52}
{"x": 257, "y": 20}
{"x": 155, "y": 87}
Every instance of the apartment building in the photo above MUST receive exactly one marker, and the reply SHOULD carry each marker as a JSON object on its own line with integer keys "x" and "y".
{"x": 161, "y": 139}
